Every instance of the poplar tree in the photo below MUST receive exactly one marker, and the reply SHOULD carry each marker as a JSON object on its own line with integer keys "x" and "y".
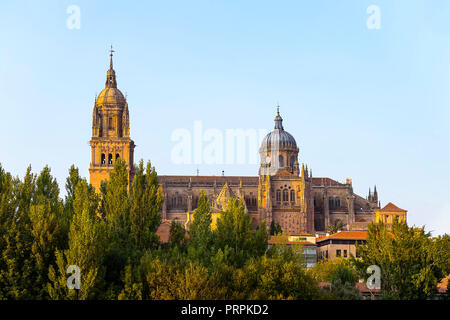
{"x": 47, "y": 228}
{"x": 145, "y": 202}
{"x": 200, "y": 234}
{"x": 234, "y": 230}
{"x": 86, "y": 248}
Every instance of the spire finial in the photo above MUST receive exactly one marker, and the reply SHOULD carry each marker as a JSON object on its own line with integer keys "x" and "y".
{"x": 111, "y": 74}
{"x": 111, "y": 51}
{"x": 278, "y": 119}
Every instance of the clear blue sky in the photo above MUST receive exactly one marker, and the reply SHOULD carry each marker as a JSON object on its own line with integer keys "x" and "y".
{"x": 372, "y": 105}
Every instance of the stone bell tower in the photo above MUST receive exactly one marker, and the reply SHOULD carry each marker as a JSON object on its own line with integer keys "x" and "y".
{"x": 110, "y": 132}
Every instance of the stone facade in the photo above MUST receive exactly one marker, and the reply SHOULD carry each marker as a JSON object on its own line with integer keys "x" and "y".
{"x": 283, "y": 191}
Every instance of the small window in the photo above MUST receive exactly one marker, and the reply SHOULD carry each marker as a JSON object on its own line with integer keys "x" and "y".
{"x": 281, "y": 161}
{"x": 338, "y": 253}
{"x": 110, "y": 124}
{"x": 285, "y": 195}
{"x": 292, "y": 196}
{"x": 110, "y": 158}
{"x": 103, "y": 158}
{"x": 345, "y": 253}
{"x": 278, "y": 195}
{"x": 292, "y": 161}
{"x": 117, "y": 156}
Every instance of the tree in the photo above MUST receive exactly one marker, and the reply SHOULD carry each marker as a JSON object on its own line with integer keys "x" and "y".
{"x": 200, "y": 234}
{"x": 71, "y": 182}
{"x": 177, "y": 235}
{"x": 34, "y": 232}
{"x": 16, "y": 266}
{"x": 86, "y": 248}
{"x": 117, "y": 206}
{"x": 324, "y": 270}
{"x": 410, "y": 260}
{"x": 335, "y": 227}
{"x": 145, "y": 202}
{"x": 280, "y": 274}
{"x": 234, "y": 230}
{"x": 343, "y": 283}
{"x": 275, "y": 228}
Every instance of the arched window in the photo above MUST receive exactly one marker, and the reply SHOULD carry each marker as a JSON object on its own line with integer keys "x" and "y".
{"x": 110, "y": 124}
{"x": 254, "y": 201}
{"x": 278, "y": 195}
{"x": 110, "y": 158}
{"x": 285, "y": 195}
{"x": 117, "y": 156}
{"x": 103, "y": 158}
{"x": 292, "y": 196}
{"x": 338, "y": 203}
{"x": 281, "y": 161}
{"x": 174, "y": 202}
{"x": 291, "y": 162}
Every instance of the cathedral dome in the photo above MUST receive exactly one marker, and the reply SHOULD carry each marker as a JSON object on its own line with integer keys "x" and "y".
{"x": 111, "y": 97}
{"x": 278, "y": 139}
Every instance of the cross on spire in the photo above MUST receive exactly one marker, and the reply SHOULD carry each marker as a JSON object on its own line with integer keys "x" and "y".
{"x": 278, "y": 119}
{"x": 111, "y": 51}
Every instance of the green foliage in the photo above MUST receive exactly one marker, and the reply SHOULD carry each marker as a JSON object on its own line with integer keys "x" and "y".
{"x": 145, "y": 202}
{"x": 86, "y": 247}
{"x": 111, "y": 236}
{"x": 411, "y": 262}
{"x": 200, "y": 233}
{"x": 234, "y": 230}
{"x": 275, "y": 228}
{"x": 335, "y": 227}
{"x": 324, "y": 270}
{"x": 177, "y": 236}
{"x": 32, "y": 230}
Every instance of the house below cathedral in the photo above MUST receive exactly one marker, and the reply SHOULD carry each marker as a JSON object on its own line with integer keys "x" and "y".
{"x": 283, "y": 192}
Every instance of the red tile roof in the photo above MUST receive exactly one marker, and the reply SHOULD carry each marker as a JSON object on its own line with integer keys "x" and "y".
{"x": 390, "y": 207}
{"x": 346, "y": 235}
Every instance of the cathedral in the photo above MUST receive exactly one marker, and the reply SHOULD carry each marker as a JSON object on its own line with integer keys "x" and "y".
{"x": 284, "y": 191}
